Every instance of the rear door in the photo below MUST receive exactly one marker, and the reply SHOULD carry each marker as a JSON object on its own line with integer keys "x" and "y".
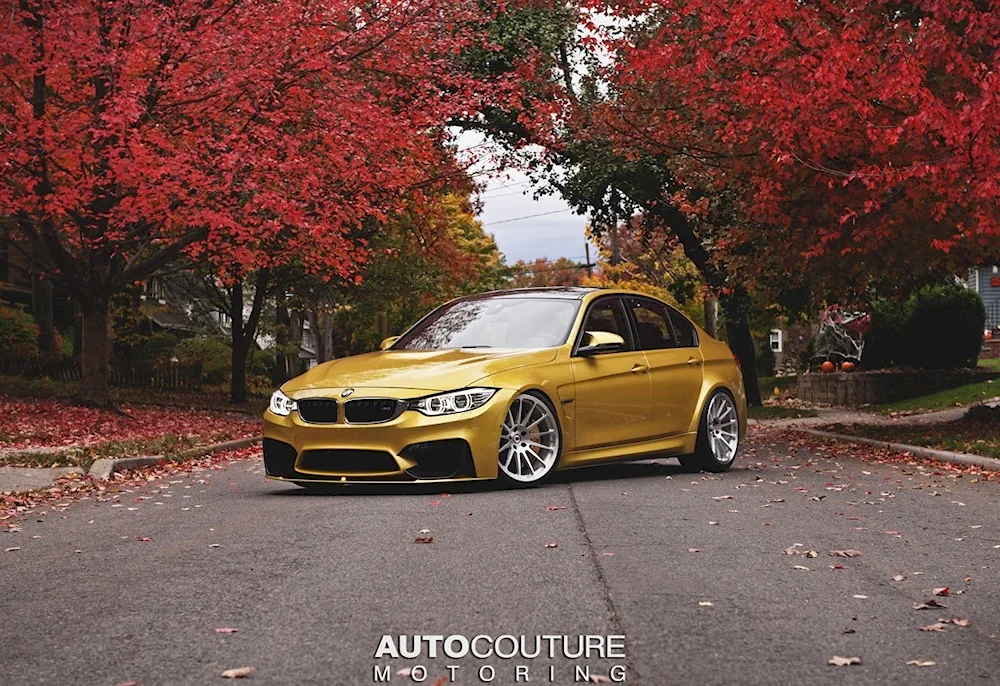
{"x": 675, "y": 364}
{"x": 613, "y": 396}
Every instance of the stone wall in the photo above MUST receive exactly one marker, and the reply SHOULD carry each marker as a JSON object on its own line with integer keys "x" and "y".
{"x": 864, "y": 388}
{"x": 991, "y": 349}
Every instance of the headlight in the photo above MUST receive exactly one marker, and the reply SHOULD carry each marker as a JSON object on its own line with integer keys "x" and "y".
{"x": 281, "y": 404}
{"x": 453, "y": 401}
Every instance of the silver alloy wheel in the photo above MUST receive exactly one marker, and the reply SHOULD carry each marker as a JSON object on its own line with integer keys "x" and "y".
{"x": 723, "y": 428}
{"x": 529, "y": 439}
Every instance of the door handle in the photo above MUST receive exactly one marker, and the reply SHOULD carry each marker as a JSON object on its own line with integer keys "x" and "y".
{"x": 694, "y": 361}
{"x": 639, "y": 368}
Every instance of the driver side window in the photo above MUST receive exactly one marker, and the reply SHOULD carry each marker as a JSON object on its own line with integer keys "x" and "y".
{"x": 609, "y": 315}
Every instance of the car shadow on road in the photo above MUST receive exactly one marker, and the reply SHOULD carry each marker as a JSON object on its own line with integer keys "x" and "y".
{"x": 615, "y": 471}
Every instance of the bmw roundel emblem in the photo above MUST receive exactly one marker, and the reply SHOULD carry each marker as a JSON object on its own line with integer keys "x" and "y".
{"x": 347, "y": 392}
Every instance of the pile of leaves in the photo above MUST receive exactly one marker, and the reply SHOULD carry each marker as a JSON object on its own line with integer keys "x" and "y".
{"x": 26, "y": 424}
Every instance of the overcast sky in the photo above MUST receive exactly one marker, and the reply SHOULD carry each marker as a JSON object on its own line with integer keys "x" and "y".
{"x": 508, "y": 206}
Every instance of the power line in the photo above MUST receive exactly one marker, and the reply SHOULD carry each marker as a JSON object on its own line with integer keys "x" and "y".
{"x": 506, "y": 185}
{"x": 504, "y": 195}
{"x": 529, "y": 216}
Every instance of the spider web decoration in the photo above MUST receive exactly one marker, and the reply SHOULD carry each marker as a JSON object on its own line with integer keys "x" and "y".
{"x": 841, "y": 334}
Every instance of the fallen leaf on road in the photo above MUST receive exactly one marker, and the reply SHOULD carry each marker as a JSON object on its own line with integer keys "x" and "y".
{"x": 792, "y": 549}
{"x": 800, "y": 567}
{"x": 694, "y": 550}
{"x": 213, "y": 545}
{"x": 934, "y": 627}
{"x": 226, "y": 630}
{"x": 425, "y": 531}
{"x": 943, "y": 591}
{"x": 929, "y": 605}
{"x": 12, "y": 549}
{"x": 129, "y": 683}
{"x": 598, "y": 679}
{"x": 810, "y": 553}
{"x": 405, "y": 671}
{"x": 836, "y": 566}
{"x": 705, "y": 603}
{"x": 144, "y": 539}
{"x": 860, "y": 597}
{"x": 423, "y": 539}
{"x": 723, "y": 497}
{"x": 921, "y": 663}
{"x": 553, "y": 508}
{"x": 845, "y": 553}
{"x": 838, "y": 661}
{"x": 552, "y": 545}
{"x": 899, "y": 577}
{"x": 608, "y": 554}
{"x": 237, "y": 673}
{"x": 956, "y": 622}
{"x": 434, "y": 503}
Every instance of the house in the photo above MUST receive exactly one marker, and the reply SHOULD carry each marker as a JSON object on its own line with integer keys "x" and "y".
{"x": 986, "y": 282}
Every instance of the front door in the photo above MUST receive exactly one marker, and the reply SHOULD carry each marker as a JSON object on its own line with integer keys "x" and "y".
{"x": 675, "y": 364}
{"x": 613, "y": 397}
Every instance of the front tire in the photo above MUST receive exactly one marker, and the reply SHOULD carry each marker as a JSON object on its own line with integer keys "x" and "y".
{"x": 718, "y": 440}
{"x": 530, "y": 440}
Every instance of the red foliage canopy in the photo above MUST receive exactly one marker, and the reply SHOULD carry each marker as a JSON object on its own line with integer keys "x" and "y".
{"x": 867, "y": 129}
{"x": 131, "y": 129}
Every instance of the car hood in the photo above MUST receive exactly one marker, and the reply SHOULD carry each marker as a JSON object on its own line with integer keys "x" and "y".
{"x": 432, "y": 370}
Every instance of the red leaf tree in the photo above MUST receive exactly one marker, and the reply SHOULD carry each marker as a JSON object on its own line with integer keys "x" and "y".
{"x": 856, "y": 139}
{"x": 245, "y": 132}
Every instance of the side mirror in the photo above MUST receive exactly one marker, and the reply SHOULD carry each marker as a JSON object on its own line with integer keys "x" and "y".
{"x": 387, "y": 342}
{"x": 596, "y": 342}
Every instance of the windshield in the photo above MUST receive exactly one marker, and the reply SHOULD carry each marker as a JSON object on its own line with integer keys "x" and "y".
{"x": 493, "y": 323}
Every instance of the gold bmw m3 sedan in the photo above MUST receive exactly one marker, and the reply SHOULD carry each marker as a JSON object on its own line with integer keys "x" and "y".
{"x": 513, "y": 385}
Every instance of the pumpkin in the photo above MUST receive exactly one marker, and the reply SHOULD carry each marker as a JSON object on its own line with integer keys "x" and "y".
{"x": 826, "y": 367}
{"x": 987, "y": 335}
{"x": 847, "y": 366}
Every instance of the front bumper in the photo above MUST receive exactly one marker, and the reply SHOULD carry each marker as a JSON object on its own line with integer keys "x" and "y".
{"x": 411, "y": 447}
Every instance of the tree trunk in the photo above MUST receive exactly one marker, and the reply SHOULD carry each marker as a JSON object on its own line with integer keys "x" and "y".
{"x": 95, "y": 357}
{"x": 41, "y": 310}
{"x": 238, "y": 382}
{"x": 244, "y": 334}
{"x": 741, "y": 343}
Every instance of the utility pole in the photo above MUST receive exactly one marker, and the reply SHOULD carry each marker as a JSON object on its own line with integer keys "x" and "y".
{"x": 589, "y": 265}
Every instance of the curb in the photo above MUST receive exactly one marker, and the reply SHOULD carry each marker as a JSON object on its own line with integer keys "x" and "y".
{"x": 106, "y": 466}
{"x": 990, "y": 463}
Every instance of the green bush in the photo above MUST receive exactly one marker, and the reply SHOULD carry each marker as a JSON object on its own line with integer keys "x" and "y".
{"x": 18, "y": 332}
{"x": 945, "y": 328}
{"x": 939, "y": 327}
{"x": 886, "y": 342}
{"x": 214, "y": 354}
{"x": 765, "y": 359}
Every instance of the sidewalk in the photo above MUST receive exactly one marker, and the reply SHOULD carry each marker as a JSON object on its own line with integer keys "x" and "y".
{"x": 21, "y": 479}
{"x": 847, "y": 416}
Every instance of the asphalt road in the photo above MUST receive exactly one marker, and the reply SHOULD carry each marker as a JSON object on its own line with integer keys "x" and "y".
{"x": 312, "y": 582}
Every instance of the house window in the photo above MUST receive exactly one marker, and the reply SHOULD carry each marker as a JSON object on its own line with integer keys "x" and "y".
{"x": 775, "y": 339}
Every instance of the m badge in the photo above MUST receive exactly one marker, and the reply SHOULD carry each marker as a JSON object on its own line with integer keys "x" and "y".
{"x": 347, "y": 392}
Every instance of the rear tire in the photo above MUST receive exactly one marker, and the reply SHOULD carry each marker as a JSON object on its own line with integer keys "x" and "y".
{"x": 718, "y": 441}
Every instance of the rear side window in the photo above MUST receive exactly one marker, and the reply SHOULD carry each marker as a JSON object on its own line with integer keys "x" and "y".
{"x": 652, "y": 323}
{"x": 687, "y": 335}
